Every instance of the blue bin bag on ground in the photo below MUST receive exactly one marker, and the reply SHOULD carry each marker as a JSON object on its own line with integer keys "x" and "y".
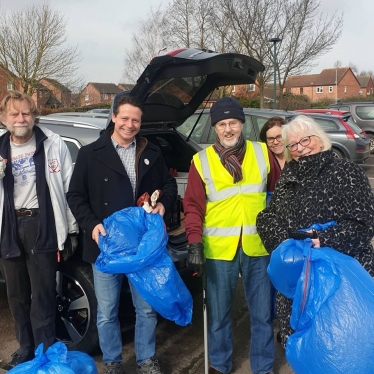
{"x": 135, "y": 245}
{"x": 57, "y": 360}
{"x": 332, "y": 311}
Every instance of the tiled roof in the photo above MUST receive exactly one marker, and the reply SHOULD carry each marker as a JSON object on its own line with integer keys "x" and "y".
{"x": 327, "y": 77}
{"x": 41, "y": 87}
{"x": 106, "y": 88}
{"x": 364, "y": 80}
{"x": 126, "y": 86}
{"x": 57, "y": 84}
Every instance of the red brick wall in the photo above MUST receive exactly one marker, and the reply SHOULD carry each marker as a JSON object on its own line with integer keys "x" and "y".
{"x": 369, "y": 90}
{"x": 94, "y": 97}
{"x": 40, "y": 97}
{"x": 63, "y": 96}
{"x": 6, "y": 78}
{"x": 348, "y": 86}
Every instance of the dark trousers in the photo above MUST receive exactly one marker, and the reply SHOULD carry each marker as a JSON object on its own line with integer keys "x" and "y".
{"x": 31, "y": 289}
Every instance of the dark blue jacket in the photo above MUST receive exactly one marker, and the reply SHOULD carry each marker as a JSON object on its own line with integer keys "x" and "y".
{"x": 100, "y": 185}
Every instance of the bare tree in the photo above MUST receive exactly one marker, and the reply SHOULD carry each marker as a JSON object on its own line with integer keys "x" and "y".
{"x": 189, "y": 23}
{"x": 148, "y": 42}
{"x": 306, "y": 33}
{"x": 33, "y": 45}
{"x": 353, "y": 67}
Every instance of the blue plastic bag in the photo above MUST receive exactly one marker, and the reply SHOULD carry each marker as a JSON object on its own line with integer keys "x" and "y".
{"x": 332, "y": 310}
{"x": 57, "y": 360}
{"x": 135, "y": 244}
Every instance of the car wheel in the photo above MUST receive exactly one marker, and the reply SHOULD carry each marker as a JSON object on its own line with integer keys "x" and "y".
{"x": 371, "y": 136}
{"x": 338, "y": 153}
{"x": 76, "y": 307}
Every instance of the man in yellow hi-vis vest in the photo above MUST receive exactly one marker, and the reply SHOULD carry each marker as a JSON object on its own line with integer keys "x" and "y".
{"x": 227, "y": 187}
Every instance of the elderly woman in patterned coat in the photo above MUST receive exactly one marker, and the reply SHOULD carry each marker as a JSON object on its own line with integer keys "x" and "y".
{"x": 317, "y": 187}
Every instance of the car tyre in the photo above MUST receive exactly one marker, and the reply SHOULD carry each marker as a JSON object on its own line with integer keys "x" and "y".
{"x": 338, "y": 153}
{"x": 371, "y": 136}
{"x": 76, "y": 307}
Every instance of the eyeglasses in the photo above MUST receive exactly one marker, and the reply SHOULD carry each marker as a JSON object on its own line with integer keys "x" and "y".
{"x": 303, "y": 142}
{"x": 271, "y": 139}
{"x": 232, "y": 125}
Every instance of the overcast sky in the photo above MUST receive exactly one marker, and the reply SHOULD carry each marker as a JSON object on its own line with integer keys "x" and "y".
{"x": 102, "y": 29}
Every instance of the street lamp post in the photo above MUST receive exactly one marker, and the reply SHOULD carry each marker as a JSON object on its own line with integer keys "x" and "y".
{"x": 275, "y": 41}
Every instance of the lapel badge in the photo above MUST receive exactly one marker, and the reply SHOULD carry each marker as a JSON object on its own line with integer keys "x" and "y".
{"x": 146, "y": 161}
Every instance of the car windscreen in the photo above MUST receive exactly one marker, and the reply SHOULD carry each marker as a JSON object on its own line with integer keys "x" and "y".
{"x": 175, "y": 92}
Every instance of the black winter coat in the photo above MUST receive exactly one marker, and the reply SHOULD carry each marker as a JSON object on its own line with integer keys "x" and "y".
{"x": 317, "y": 189}
{"x": 100, "y": 185}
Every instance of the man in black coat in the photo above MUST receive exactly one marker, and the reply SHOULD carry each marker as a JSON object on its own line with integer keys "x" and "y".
{"x": 110, "y": 174}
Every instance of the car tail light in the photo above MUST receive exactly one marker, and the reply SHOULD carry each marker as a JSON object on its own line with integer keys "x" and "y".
{"x": 349, "y": 133}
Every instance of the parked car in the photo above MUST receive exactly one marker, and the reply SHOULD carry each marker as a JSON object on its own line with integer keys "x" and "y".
{"x": 362, "y": 114}
{"x": 172, "y": 87}
{"x": 80, "y": 114}
{"x": 106, "y": 111}
{"x": 348, "y": 141}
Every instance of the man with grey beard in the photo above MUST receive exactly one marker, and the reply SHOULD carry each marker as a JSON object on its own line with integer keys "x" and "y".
{"x": 35, "y": 221}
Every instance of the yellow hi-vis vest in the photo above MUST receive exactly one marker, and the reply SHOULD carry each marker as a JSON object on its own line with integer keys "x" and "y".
{"x": 232, "y": 208}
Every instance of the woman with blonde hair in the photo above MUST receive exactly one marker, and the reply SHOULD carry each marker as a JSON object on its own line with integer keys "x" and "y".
{"x": 317, "y": 187}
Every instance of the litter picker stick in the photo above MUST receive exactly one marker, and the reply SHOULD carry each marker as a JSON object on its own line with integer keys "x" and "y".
{"x": 205, "y": 313}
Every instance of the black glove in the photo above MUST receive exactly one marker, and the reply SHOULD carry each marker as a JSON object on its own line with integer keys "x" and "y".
{"x": 195, "y": 259}
{"x": 301, "y": 235}
{"x": 70, "y": 246}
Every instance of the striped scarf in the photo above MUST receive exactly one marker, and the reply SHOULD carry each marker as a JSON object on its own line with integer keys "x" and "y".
{"x": 232, "y": 158}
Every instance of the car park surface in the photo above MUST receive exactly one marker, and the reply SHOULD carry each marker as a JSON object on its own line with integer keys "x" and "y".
{"x": 348, "y": 140}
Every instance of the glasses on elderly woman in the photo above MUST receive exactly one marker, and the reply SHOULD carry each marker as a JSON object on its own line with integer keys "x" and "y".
{"x": 304, "y": 142}
{"x": 271, "y": 139}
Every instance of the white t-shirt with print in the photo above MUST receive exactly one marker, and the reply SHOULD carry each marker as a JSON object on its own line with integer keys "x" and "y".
{"x": 23, "y": 169}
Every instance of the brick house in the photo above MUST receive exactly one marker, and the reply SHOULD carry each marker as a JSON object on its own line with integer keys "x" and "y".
{"x": 126, "y": 86}
{"x": 45, "y": 98}
{"x": 335, "y": 84}
{"x": 58, "y": 90}
{"x": 366, "y": 85}
{"x": 8, "y": 82}
{"x": 97, "y": 93}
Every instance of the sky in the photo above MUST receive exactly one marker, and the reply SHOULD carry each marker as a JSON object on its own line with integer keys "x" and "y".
{"x": 103, "y": 29}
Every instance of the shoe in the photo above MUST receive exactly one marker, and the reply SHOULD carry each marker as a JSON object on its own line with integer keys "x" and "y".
{"x": 279, "y": 338}
{"x": 17, "y": 359}
{"x": 151, "y": 366}
{"x": 114, "y": 368}
{"x": 214, "y": 371}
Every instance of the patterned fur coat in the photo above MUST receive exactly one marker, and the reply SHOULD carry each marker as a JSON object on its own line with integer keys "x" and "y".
{"x": 317, "y": 189}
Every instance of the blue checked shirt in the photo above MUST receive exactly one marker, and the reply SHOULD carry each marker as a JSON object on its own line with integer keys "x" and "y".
{"x": 127, "y": 156}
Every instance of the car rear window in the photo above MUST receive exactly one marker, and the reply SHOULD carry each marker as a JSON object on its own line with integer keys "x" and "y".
{"x": 365, "y": 112}
{"x": 354, "y": 127}
{"x": 326, "y": 124}
{"x": 175, "y": 92}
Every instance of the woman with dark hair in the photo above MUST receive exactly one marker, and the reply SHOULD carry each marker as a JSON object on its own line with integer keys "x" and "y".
{"x": 271, "y": 135}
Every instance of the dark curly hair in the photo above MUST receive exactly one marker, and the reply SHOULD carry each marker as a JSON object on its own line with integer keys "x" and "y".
{"x": 124, "y": 98}
{"x": 271, "y": 122}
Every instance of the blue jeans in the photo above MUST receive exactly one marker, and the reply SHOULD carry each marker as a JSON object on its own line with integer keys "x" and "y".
{"x": 222, "y": 278}
{"x": 108, "y": 291}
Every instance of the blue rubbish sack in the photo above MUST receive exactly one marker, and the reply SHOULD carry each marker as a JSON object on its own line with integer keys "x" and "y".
{"x": 286, "y": 265}
{"x": 135, "y": 245}
{"x": 57, "y": 360}
{"x": 332, "y": 313}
